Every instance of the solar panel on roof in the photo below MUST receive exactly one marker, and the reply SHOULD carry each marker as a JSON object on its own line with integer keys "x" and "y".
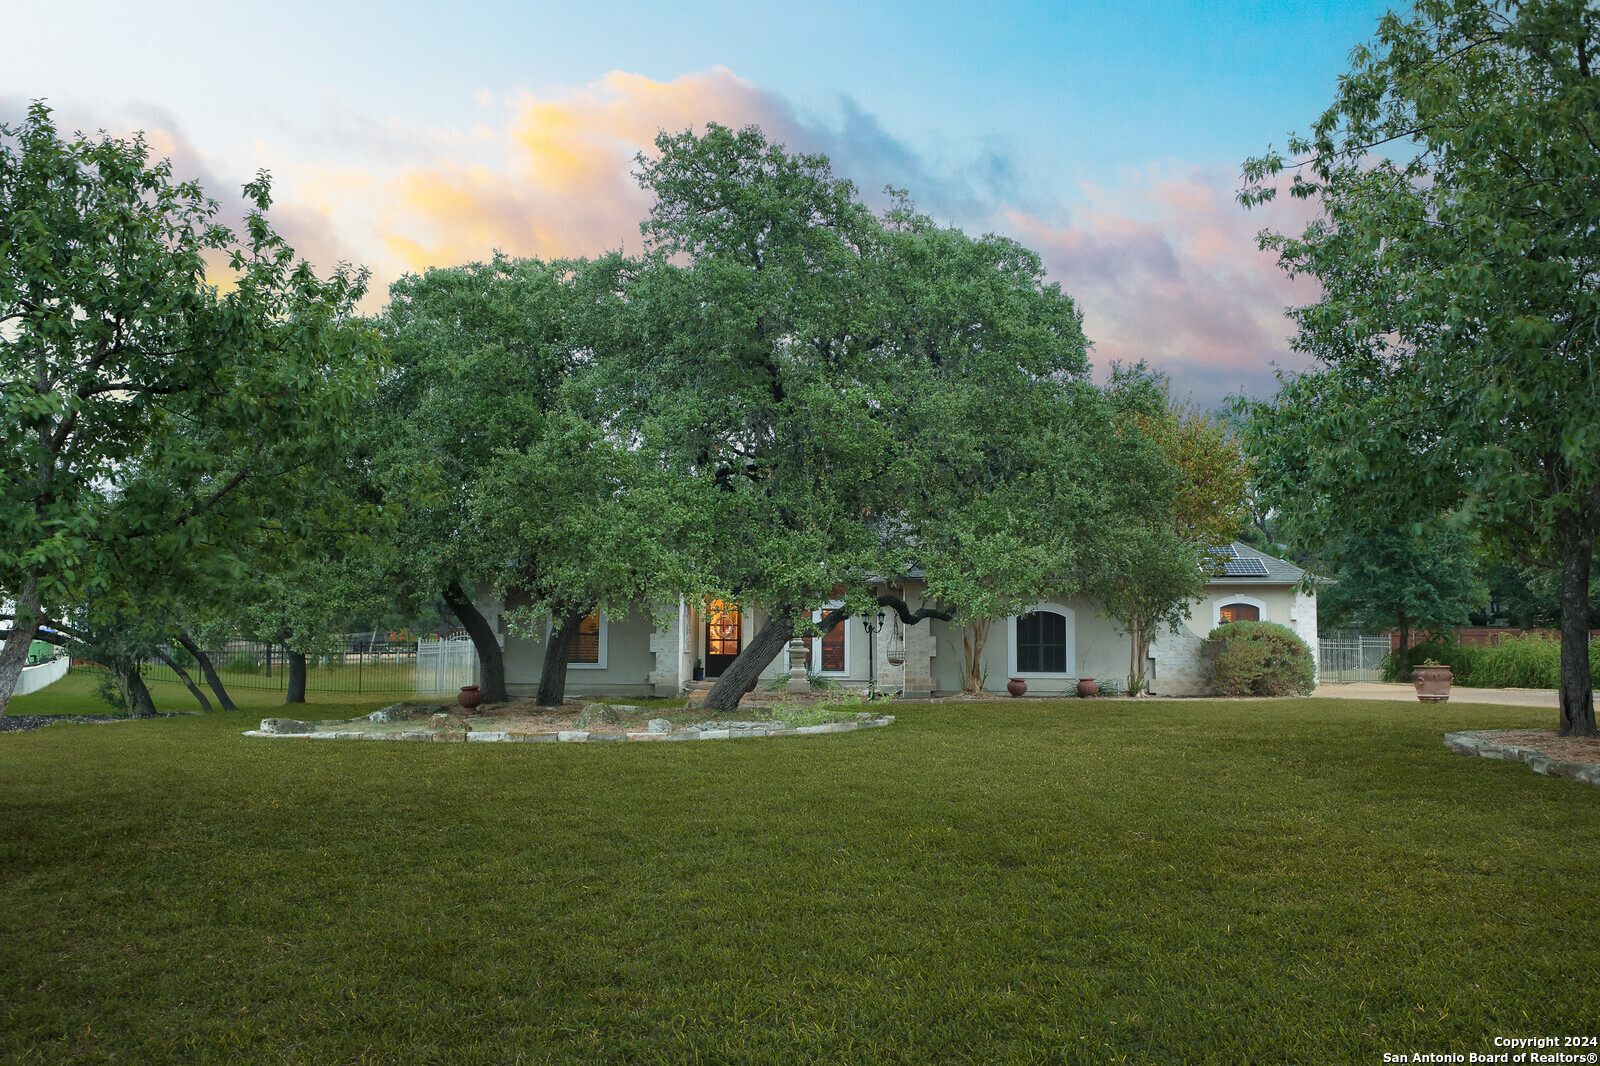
{"x": 1245, "y": 567}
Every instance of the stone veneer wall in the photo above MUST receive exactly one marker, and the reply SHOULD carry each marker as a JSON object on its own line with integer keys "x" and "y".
{"x": 670, "y": 650}
{"x": 1303, "y": 620}
{"x": 1179, "y": 668}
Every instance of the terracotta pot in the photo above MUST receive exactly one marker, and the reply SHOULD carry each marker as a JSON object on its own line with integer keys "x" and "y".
{"x": 1016, "y": 686}
{"x": 1433, "y": 683}
{"x": 897, "y": 660}
{"x": 1088, "y": 686}
{"x": 469, "y": 699}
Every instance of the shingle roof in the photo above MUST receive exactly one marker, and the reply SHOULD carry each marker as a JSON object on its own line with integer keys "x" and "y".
{"x": 1247, "y": 564}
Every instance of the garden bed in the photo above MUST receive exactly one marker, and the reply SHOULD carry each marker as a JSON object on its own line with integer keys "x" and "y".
{"x": 525, "y": 721}
{"x": 1574, "y": 758}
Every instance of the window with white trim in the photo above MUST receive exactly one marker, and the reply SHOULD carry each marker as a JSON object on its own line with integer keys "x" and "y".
{"x": 586, "y": 649}
{"x": 1040, "y": 643}
{"x": 830, "y": 652}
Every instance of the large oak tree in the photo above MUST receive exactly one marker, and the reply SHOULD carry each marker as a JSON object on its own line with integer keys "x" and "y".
{"x": 1458, "y": 250}
{"x": 137, "y": 398}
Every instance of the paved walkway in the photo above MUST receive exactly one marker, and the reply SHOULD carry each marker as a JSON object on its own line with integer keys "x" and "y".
{"x": 1372, "y": 690}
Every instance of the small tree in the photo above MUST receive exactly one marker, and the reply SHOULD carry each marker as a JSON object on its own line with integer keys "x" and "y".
{"x": 1410, "y": 581}
{"x": 1192, "y": 480}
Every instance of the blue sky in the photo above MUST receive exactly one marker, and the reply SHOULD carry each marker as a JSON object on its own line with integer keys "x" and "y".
{"x": 1108, "y": 136}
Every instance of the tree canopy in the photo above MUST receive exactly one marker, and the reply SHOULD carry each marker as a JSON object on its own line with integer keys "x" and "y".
{"x": 137, "y": 396}
{"x": 1394, "y": 578}
{"x": 864, "y": 394}
{"x": 1458, "y": 172}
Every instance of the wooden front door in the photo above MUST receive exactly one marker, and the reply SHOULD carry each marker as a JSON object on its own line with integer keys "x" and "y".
{"x": 722, "y": 636}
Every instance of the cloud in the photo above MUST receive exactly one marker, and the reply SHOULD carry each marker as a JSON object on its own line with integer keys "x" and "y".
{"x": 1167, "y": 270}
{"x": 1163, "y": 263}
{"x": 554, "y": 177}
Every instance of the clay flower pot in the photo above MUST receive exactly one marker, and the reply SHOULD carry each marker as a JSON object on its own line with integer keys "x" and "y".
{"x": 469, "y": 699}
{"x": 1016, "y": 686}
{"x": 1432, "y": 682}
{"x": 1088, "y": 686}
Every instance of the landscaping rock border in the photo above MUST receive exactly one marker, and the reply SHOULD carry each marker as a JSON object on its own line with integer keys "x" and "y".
{"x": 717, "y": 731}
{"x": 1489, "y": 744}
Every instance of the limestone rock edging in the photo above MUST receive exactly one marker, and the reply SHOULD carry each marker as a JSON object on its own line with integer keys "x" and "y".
{"x": 581, "y": 736}
{"x": 1487, "y": 747}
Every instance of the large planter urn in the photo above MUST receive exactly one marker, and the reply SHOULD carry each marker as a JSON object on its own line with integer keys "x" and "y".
{"x": 469, "y": 699}
{"x": 1432, "y": 682}
{"x": 1088, "y": 686}
{"x": 1016, "y": 686}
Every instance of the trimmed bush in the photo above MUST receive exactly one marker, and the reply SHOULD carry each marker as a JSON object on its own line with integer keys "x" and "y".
{"x": 1261, "y": 659}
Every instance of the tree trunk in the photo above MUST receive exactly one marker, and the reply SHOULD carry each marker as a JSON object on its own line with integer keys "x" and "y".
{"x": 140, "y": 705}
{"x": 296, "y": 691}
{"x": 491, "y": 661}
{"x": 742, "y": 674}
{"x": 973, "y": 639}
{"x": 183, "y": 675}
{"x": 1402, "y": 657}
{"x": 209, "y": 671}
{"x": 1576, "y": 541}
{"x": 14, "y": 656}
{"x": 553, "y": 678}
{"x": 1140, "y": 652}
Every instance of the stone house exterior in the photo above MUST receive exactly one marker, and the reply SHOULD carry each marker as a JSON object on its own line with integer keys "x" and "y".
{"x": 644, "y": 653}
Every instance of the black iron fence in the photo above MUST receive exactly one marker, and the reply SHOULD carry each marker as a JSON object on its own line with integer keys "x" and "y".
{"x": 360, "y": 666}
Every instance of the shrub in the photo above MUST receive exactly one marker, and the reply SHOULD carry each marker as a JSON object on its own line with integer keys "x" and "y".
{"x": 1462, "y": 659}
{"x": 1530, "y": 661}
{"x": 1522, "y": 662}
{"x": 1261, "y": 659}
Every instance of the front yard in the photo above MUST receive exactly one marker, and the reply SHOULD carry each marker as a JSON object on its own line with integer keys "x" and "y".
{"x": 1082, "y": 881}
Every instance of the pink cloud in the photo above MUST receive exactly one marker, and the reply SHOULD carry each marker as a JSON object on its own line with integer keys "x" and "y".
{"x": 1167, "y": 270}
{"x": 1164, "y": 263}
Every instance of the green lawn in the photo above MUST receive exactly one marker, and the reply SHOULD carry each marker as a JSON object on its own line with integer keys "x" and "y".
{"x": 74, "y": 694}
{"x": 1083, "y": 881}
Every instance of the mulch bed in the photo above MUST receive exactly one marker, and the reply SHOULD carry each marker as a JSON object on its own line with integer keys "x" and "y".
{"x": 1546, "y": 743}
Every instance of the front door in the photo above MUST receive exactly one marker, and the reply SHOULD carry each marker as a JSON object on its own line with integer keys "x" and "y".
{"x": 722, "y": 636}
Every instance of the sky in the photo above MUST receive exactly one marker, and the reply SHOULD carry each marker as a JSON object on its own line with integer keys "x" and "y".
{"x": 1107, "y": 136}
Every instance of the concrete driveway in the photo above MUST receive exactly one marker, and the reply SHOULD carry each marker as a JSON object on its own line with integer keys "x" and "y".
{"x": 1372, "y": 690}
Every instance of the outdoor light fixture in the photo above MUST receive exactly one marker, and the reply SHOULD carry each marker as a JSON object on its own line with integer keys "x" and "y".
{"x": 872, "y": 624}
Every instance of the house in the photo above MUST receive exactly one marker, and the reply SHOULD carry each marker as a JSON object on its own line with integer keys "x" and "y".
{"x": 642, "y": 653}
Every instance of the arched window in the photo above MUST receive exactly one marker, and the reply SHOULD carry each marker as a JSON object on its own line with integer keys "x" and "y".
{"x": 1042, "y": 643}
{"x": 1239, "y": 612}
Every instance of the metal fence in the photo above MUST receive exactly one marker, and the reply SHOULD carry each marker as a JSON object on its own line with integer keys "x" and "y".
{"x": 362, "y": 665}
{"x": 1343, "y": 659}
{"x": 444, "y": 666}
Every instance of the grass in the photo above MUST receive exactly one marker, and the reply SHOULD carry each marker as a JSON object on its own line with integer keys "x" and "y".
{"x": 1084, "y": 881}
{"x": 74, "y": 694}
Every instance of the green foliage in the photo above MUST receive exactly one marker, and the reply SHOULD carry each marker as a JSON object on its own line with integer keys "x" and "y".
{"x": 1529, "y": 661}
{"x": 851, "y": 395}
{"x": 1401, "y": 580}
{"x": 498, "y": 476}
{"x": 137, "y": 397}
{"x": 1458, "y": 173}
{"x": 1462, "y": 659}
{"x": 1149, "y": 569}
{"x": 1261, "y": 659}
